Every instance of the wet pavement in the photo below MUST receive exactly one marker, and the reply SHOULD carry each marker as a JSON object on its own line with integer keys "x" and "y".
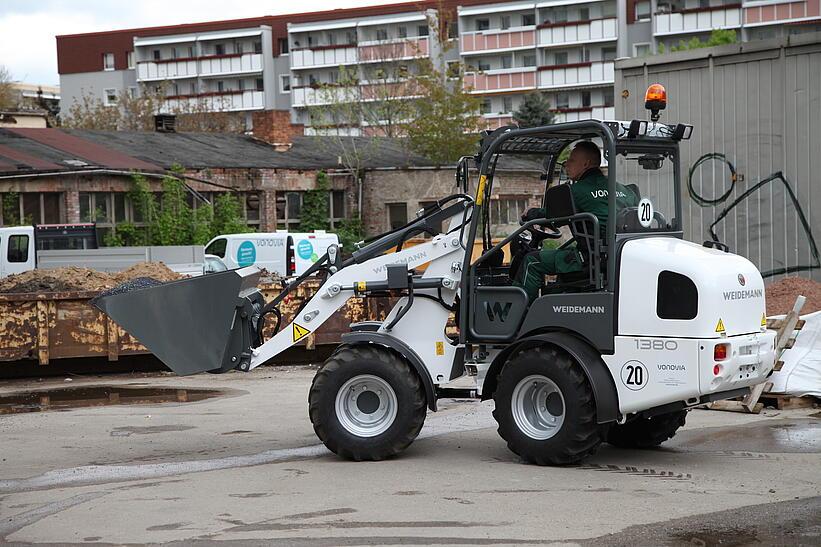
{"x": 244, "y": 467}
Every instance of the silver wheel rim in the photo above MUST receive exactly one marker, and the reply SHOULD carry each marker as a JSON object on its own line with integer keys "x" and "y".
{"x": 538, "y": 407}
{"x": 366, "y": 405}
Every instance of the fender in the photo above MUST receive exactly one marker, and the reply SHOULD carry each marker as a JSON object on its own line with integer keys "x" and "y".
{"x": 604, "y": 389}
{"x": 402, "y": 349}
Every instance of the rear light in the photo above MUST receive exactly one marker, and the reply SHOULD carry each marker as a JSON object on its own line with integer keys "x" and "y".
{"x": 720, "y": 352}
{"x": 717, "y": 370}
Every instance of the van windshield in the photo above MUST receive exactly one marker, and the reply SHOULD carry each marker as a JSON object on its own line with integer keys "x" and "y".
{"x": 217, "y": 247}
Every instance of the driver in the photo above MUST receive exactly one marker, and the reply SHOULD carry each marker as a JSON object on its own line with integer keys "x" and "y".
{"x": 589, "y": 190}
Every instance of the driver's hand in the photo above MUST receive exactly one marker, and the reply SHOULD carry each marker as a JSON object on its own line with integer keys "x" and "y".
{"x": 533, "y": 214}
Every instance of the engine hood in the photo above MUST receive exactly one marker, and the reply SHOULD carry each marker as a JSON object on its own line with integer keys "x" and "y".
{"x": 729, "y": 290}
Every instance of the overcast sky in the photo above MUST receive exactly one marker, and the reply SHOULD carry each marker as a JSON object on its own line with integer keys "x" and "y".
{"x": 28, "y": 27}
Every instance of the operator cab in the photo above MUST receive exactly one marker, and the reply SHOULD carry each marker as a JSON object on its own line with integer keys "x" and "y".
{"x": 641, "y": 156}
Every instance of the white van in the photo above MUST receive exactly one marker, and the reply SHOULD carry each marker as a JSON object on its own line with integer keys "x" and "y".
{"x": 286, "y": 254}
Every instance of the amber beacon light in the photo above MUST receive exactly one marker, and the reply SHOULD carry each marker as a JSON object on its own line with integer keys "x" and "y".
{"x": 655, "y": 100}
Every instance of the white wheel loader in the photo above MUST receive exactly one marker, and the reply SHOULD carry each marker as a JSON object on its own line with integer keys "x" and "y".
{"x": 652, "y": 326}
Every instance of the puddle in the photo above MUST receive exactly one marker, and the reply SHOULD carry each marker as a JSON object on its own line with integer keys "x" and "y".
{"x": 793, "y": 436}
{"x": 66, "y": 398}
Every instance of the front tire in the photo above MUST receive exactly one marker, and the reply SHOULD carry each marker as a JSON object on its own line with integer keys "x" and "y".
{"x": 646, "y": 432}
{"x": 545, "y": 408}
{"x": 366, "y": 403}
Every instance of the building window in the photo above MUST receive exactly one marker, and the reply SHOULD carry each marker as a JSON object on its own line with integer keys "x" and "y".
{"x": 284, "y": 84}
{"x": 192, "y": 88}
{"x": 584, "y": 14}
{"x": 397, "y": 215}
{"x": 585, "y": 55}
{"x": 238, "y": 48}
{"x": 483, "y": 65}
{"x": 31, "y": 208}
{"x": 259, "y": 84}
{"x": 507, "y": 105}
{"x": 331, "y": 37}
{"x": 110, "y": 98}
{"x": 528, "y": 19}
{"x": 505, "y": 22}
{"x": 486, "y": 106}
{"x": 585, "y": 99}
{"x": 381, "y": 34}
{"x": 562, "y": 100}
{"x": 156, "y": 54}
{"x": 219, "y": 49}
{"x": 282, "y": 44}
{"x": 422, "y": 30}
{"x": 643, "y": 10}
{"x": 608, "y": 97}
{"x": 560, "y": 58}
{"x": 529, "y": 60}
{"x": 641, "y": 50}
{"x": 241, "y": 85}
{"x": 130, "y": 59}
{"x": 454, "y": 69}
{"x": 482, "y": 24}
{"x": 108, "y": 61}
{"x": 507, "y": 210}
{"x": 608, "y": 54}
{"x": 132, "y": 92}
{"x": 507, "y": 61}
{"x": 220, "y": 86}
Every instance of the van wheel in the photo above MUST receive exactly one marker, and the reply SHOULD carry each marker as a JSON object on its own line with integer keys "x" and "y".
{"x": 366, "y": 403}
{"x": 646, "y": 432}
{"x": 545, "y": 408}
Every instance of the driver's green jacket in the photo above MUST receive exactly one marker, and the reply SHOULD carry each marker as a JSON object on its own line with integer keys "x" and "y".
{"x": 590, "y": 196}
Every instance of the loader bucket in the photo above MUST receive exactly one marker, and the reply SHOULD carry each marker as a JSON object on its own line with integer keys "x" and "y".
{"x": 202, "y": 324}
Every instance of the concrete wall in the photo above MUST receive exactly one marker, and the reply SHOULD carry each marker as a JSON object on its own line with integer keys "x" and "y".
{"x": 759, "y": 103}
{"x": 72, "y": 86}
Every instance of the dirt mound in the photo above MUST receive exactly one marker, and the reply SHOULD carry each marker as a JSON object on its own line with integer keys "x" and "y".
{"x": 781, "y": 295}
{"x": 73, "y": 278}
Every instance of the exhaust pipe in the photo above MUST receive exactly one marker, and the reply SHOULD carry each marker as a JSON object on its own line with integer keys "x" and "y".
{"x": 203, "y": 324}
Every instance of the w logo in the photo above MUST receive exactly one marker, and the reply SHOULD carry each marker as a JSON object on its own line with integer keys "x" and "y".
{"x": 497, "y": 311}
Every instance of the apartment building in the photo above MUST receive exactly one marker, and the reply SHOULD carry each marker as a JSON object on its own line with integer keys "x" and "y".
{"x": 287, "y": 64}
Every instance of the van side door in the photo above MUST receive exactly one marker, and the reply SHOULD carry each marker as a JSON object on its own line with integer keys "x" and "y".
{"x": 18, "y": 254}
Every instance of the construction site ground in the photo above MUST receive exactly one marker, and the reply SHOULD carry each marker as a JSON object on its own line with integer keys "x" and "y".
{"x": 240, "y": 464}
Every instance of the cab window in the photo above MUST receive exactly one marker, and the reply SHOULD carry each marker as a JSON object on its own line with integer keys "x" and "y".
{"x": 217, "y": 247}
{"x": 18, "y": 248}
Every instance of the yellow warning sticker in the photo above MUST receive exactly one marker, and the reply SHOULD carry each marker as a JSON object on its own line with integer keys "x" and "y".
{"x": 763, "y": 319}
{"x": 300, "y": 332}
{"x": 440, "y": 348}
{"x": 720, "y": 327}
{"x": 361, "y": 286}
{"x": 480, "y": 191}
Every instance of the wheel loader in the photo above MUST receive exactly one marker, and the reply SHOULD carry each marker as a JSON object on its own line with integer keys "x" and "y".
{"x": 652, "y": 325}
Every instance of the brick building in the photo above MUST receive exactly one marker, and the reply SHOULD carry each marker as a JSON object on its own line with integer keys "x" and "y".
{"x": 54, "y": 176}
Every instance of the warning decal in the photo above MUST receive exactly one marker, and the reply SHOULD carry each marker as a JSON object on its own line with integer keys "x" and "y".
{"x": 763, "y": 319}
{"x": 720, "y": 327}
{"x": 300, "y": 332}
{"x": 440, "y": 348}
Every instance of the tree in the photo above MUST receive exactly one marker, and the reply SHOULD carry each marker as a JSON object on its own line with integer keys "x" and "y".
{"x": 718, "y": 37}
{"x": 8, "y": 99}
{"x": 315, "y": 211}
{"x": 446, "y": 118}
{"x": 534, "y": 111}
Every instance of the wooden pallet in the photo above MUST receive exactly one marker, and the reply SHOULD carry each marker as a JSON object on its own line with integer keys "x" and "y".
{"x": 787, "y": 402}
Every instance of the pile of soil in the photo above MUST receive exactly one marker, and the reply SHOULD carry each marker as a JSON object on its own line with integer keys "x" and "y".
{"x": 73, "y": 278}
{"x": 781, "y": 295}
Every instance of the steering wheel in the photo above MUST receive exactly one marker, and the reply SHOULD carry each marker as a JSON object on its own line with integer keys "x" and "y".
{"x": 542, "y": 232}
{"x": 628, "y": 220}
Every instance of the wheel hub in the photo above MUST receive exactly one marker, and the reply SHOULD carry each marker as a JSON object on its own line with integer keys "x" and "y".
{"x": 366, "y": 405}
{"x": 538, "y": 407}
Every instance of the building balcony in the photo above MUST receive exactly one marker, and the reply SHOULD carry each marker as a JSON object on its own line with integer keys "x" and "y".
{"x": 484, "y": 41}
{"x": 507, "y": 79}
{"x": 696, "y": 20}
{"x": 584, "y": 113}
{"x": 758, "y": 13}
{"x": 495, "y": 121}
{"x": 563, "y": 34}
{"x": 223, "y": 65}
{"x": 313, "y": 96}
{"x": 596, "y": 73}
{"x": 193, "y": 67}
{"x": 393, "y": 50}
{"x": 324, "y": 56}
{"x": 216, "y": 101}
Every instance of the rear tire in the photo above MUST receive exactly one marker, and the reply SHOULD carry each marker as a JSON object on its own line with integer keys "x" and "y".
{"x": 366, "y": 403}
{"x": 545, "y": 408}
{"x": 646, "y": 432}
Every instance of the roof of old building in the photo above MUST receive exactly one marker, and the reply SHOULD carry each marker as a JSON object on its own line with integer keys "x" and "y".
{"x": 38, "y": 150}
